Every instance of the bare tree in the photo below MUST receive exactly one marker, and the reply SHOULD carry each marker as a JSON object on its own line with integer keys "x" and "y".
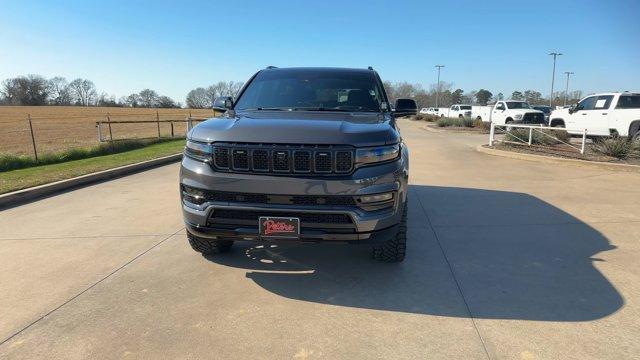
{"x": 106, "y": 100}
{"x": 167, "y": 102}
{"x": 132, "y": 100}
{"x": 199, "y": 98}
{"x": 148, "y": 98}
{"x": 84, "y": 91}
{"x": 25, "y": 90}
{"x": 59, "y": 91}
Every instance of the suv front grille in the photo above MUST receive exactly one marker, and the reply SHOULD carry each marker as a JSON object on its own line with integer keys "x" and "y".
{"x": 283, "y": 159}
{"x": 250, "y": 198}
{"x": 314, "y": 218}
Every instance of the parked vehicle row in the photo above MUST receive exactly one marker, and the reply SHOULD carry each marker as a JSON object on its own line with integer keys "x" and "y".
{"x": 604, "y": 114}
{"x": 509, "y": 112}
{"x": 457, "y": 111}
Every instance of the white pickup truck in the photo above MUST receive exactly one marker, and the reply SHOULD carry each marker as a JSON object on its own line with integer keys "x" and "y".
{"x": 605, "y": 114}
{"x": 457, "y": 111}
{"x": 510, "y": 112}
{"x": 430, "y": 111}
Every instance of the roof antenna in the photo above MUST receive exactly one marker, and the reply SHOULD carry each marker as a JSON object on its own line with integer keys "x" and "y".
{"x": 370, "y": 68}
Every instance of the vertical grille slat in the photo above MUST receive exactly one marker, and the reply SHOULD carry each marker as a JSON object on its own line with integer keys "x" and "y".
{"x": 284, "y": 158}
{"x": 221, "y": 157}
{"x": 322, "y": 160}
{"x": 260, "y": 160}
{"x": 344, "y": 161}
{"x": 302, "y": 161}
{"x": 240, "y": 159}
{"x": 280, "y": 160}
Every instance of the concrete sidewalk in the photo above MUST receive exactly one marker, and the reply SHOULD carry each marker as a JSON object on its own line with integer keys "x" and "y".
{"x": 506, "y": 259}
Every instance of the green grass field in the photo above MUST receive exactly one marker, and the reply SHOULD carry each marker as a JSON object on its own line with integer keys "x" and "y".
{"x": 23, "y": 178}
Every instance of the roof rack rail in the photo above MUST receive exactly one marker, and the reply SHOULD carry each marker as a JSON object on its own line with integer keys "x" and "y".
{"x": 272, "y": 67}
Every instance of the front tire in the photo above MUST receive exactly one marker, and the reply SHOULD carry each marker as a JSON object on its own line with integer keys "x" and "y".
{"x": 394, "y": 249}
{"x": 207, "y": 246}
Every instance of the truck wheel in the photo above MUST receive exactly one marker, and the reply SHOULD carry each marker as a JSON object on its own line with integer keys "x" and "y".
{"x": 460, "y": 117}
{"x": 636, "y": 136}
{"x": 206, "y": 246}
{"x": 394, "y": 249}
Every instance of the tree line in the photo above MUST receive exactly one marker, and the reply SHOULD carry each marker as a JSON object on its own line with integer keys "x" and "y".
{"x": 37, "y": 90}
{"x": 447, "y": 96}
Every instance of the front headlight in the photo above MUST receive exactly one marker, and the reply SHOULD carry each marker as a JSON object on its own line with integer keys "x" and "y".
{"x": 518, "y": 117}
{"x": 377, "y": 154}
{"x": 198, "y": 151}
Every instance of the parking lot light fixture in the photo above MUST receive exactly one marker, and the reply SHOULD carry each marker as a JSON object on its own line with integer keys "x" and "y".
{"x": 566, "y": 89}
{"x": 438, "y": 84}
{"x": 553, "y": 76}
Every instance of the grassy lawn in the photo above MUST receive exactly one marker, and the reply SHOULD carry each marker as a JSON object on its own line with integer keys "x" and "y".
{"x": 38, "y": 175}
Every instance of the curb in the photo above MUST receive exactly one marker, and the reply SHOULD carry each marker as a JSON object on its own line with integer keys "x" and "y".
{"x": 555, "y": 160}
{"x": 431, "y": 129}
{"x": 26, "y": 195}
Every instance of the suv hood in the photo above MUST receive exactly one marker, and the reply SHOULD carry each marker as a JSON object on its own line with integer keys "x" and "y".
{"x": 299, "y": 127}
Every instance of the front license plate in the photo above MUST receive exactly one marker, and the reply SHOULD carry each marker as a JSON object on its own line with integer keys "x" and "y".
{"x": 279, "y": 227}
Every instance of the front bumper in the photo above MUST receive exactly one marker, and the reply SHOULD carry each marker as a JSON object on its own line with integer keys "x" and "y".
{"x": 364, "y": 227}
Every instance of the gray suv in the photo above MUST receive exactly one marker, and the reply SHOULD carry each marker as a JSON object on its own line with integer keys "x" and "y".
{"x": 304, "y": 155}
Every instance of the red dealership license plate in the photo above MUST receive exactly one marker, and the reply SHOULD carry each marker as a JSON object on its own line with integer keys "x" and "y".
{"x": 279, "y": 227}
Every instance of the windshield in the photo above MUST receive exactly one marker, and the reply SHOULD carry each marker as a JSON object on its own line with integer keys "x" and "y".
{"x": 517, "y": 105}
{"x": 465, "y": 107}
{"x": 315, "y": 90}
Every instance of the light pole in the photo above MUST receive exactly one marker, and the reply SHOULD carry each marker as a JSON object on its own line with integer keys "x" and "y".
{"x": 438, "y": 85}
{"x": 553, "y": 76}
{"x": 566, "y": 90}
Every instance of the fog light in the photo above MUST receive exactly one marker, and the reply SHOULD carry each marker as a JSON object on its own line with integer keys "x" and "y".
{"x": 193, "y": 195}
{"x": 366, "y": 199}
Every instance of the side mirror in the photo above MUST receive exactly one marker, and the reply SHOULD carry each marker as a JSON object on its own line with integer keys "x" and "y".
{"x": 223, "y": 103}
{"x": 573, "y": 108}
{"x": 406, "y": 107}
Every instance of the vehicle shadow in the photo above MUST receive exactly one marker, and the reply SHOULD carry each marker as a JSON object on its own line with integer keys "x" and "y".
{"x": 514, "y": 256}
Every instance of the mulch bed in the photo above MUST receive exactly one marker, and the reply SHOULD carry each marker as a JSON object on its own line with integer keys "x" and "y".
{"x": 478, "y": 130}
{"x": 563, "y": 151}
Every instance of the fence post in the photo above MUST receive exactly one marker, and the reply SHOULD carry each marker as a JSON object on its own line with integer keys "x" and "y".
{"x": 109, "y": 123}
{"x": 491, "y": 133}
{"x": 99, "y": 131}
{"x": 33, "y": 138}
{"x": 189, "y": 123}
{"x": 584, "y": 140}
{"x": 171, "y": 128}
{"x": 530, "y": 135}
{"x": 158, "y": 122}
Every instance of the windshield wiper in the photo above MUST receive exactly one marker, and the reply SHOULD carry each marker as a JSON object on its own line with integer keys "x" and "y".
{"x": 268, "y": 109}
{"x": 334, "y": 109}
{"x": 320, "y": 109}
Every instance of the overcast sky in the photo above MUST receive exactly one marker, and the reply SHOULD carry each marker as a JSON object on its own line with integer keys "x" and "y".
{"x": 172, "y": 47}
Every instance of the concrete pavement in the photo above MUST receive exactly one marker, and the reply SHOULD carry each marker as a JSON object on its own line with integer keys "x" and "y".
{"x": 506, "y": 259}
